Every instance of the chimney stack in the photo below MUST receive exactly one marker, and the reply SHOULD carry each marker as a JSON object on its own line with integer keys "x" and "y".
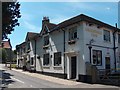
{"x": 45, "y": 20}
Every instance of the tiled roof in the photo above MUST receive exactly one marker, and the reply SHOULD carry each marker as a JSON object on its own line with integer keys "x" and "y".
{"x": 51, "y": 26}
{"x": 31, "y": 35}
{"x": 6, "y": 44}
{"x": 80, "y": 18}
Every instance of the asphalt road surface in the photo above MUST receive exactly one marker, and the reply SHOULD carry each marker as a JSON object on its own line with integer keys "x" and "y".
{"x": 14, "y": 79}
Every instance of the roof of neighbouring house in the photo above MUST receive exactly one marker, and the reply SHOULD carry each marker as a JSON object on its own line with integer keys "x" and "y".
{"x": 6, "y": 44}
{"x": 31, "y": 35}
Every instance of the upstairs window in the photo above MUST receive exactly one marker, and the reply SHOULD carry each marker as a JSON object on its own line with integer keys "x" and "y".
{"x": 24, "y": 50}
{"x": 106, "y": 35}
{"x": 73, "y": 33}
{"x": 46, "y": 59}
{"x": 97, "y": 57}
{"x": 46, "y": 40}
{"x": 57, "y": 59}
{"x": 28, "y": 46}
{"x": 118, "y": 38}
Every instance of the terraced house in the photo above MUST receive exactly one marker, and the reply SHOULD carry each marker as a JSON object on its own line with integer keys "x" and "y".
{"x": 69, "y": 48}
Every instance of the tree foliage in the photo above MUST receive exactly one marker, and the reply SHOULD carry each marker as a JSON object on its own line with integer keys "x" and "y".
{"x": 4, "y": 55}
{"x": 10, "y": 15}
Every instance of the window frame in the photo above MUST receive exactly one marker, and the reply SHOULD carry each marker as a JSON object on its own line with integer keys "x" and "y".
{"x": 32, "y": 61}
{"x": 57, "y": 59}
{"x": 46, "y": 57}
{"x": 97, "y": 57}
{"x": 106, "y": 36}
{"x": 28, "y": 46}
{"x": 46, "y": 42}
{"x": 118, "y": 38}
{"x": 72, "y": 33}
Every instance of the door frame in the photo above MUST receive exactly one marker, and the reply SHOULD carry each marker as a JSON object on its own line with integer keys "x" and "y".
{"x": 72, "y": 67}
{"x": 107, "y": 71}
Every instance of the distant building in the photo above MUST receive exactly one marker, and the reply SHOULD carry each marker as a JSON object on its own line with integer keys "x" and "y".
{"x": 64, "y": 49}
{"x": 7, "y": 46}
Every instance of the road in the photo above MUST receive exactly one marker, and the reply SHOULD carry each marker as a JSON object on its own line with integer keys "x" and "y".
{"x": 14, "y": 79}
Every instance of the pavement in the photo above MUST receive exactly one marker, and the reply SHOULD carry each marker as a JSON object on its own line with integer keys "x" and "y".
{"x": 17, "y": 78}
{"x": 70, "y": 83}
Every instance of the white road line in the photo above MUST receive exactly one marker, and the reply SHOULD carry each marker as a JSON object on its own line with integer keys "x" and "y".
{"x": 31, "y": 86}
{"x": 17, "y": 80}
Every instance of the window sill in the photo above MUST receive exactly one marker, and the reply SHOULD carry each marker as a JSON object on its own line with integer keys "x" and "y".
{"x": 28, "y": 51}
{"x": 71, "y": 41}
{"x": 57, "y": 66}
{"x": 46, "y": 46}
{"x": 107, "y": 42}
{"x": 46, "y": 66}
{"x": 97, "y": 65}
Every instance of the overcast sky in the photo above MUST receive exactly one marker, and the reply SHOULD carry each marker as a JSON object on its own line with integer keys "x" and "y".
{"x": 33, "y": 12}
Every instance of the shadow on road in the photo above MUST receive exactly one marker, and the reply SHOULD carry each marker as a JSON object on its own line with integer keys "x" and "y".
{"x": 6, "y": 78}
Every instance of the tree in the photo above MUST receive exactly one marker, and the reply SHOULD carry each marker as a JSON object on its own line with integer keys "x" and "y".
{"x": 4, "y": 55}
{"x": 10, "y": 15}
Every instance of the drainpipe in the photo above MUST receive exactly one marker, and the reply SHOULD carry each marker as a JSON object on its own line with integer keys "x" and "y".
{"x": 35, "y": 56}
{"x": 64, "y": 51}
{"x": 114, "y": 47}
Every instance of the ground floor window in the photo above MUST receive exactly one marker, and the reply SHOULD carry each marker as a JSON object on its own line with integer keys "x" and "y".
{"x": 97, "y": 57}
{"x": 32, "y": 62}
{"x": 57, "y": 59}
{"x": 46, "y": 59}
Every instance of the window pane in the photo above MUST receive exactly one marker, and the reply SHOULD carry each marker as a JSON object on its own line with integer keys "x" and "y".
{"x": 72, "y": 33}
{"x": 46, "y": 59}
{"x": 118, "y": 38}
{"x": 106, "y": 35}
{"x": 46, "y": 40}
{"x": 97, "y": 57}
{"x": 57, "y": 58}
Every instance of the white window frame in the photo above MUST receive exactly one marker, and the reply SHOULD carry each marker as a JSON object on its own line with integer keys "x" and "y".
{"x": 73, "y": 33}
{"x": 106, "y": 35}
{"x": 57, "y": 59}
{"x": 32, "y": 61}
{"x": 98, "y": 58}
{"x": 118, "y": 38}
{"x": 46, "y": 40}
{"x": 45, "y": 57}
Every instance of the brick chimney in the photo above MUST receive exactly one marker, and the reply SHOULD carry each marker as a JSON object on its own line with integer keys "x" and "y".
{"x": 45, "y": 20}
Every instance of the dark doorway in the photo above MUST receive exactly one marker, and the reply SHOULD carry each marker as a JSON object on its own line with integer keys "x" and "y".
{"x": 73, "y": 67}
{"x": 107, "y": 64}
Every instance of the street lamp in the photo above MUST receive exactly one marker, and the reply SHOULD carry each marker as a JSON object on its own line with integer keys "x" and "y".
{"x": 90, "y": 47}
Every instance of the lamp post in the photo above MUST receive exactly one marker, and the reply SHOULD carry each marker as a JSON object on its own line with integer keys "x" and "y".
{"x": 90, "y": 48}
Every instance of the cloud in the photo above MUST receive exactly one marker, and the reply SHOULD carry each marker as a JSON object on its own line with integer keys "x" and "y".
{"x": 59, "y": 18}
{"x": 31, "y": 27}
{"x": 26, "y": 16}
{"x": 107, "y": 8}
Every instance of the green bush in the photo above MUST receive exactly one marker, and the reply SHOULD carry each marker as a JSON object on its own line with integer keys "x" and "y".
{"x": 12, "y": 66}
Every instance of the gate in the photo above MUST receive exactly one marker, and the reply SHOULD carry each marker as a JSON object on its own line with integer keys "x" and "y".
{"x": 109, "y": 76}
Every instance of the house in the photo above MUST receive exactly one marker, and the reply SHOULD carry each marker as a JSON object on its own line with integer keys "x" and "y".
{"x": 26, "y": 52}
{"x": 64, "y": 49}
{"x": 8, "y": 49}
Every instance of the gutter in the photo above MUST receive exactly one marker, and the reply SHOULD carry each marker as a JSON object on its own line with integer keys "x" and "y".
{"x": 64, "y": 50}
{"x": 35, "y": 55}
{"x": 114, "y": 48}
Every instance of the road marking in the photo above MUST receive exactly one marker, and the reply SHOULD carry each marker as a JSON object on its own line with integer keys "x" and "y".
{"x": 31, "y": 86}
{"x": 17, "y": 80}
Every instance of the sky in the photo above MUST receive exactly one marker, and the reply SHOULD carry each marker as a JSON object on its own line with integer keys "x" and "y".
{"x": 32, "y": 14}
